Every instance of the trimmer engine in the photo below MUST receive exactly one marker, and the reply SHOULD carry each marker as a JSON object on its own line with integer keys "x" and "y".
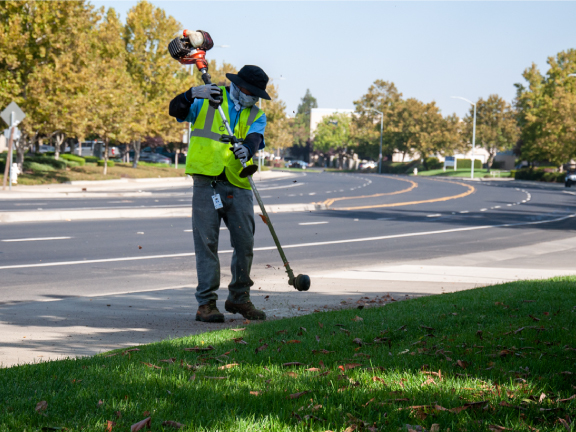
{"x": 191, "y": 48}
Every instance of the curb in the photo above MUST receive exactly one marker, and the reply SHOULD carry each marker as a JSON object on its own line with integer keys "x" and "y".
{"x": 136, "y": 213}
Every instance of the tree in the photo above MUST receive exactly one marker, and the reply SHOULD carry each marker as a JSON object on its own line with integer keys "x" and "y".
{"x": 496, "y": 128}
{"x": 301, "y": 123}
{"x": 38, "y": 42}
{"x": 546, "y": 108}
{"x": 156, "y": 75}
{"x": 334, "y": 133}
{"x": 277, "y": 124}
{"x": 114, "y": 96}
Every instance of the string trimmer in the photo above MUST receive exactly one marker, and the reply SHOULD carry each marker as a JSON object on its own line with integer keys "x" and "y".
{"x": 191, "y": 50}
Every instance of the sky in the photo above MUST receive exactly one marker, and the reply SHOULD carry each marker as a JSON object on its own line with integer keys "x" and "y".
{"x": 430, "y": 50}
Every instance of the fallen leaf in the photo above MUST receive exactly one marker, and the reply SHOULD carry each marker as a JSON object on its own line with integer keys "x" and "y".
{"x": 111, "y": 355}
{"x": 292, "y": 374}
{"x": 109, "y": 425}
{"x": 262, "y": 348}
{"x": 293, "y": 341}
{"x": 317, "y": 338}
{"x": 246, "y": 321}
{"x": 462, "y": 364}
{"x": 567, "y": 399}
{"x": 358, "y": 341}
{"x": 313, "y": 369}
{"x": 139, "y": 247}
{"x": 199, "y": 349}
{"x": 240, "y": 341}
{"x": 357, "y": 318}
{"x": 303, "y": 329}
{"x": 297, "y": 395}
{"x": 320, "y": 324}
{"x": 497, "y": 428}
{"x": 41, "y": 406}
{"x": 293, "y": 364}
{"x": 352, "y": 365}
{"x": 170, "y": 360}
{"x": 192, "y": 377}
{"x": 377, "y": 379}
{"x": 150, "y": 365}
{"x": 239, "y": 329}
{"x": 255, "y": 393}
{"x": 228, "y": 366}
{"x": 565, "y": 424}
{"x": 534, "y": 318}
{"x": 129, "y": 351}
{"x": 322, "y": 351}
{"x": 428, "y": 381}
{"x": 345, "y": 331}
{"x": 173, "y": 424}
{"x": 215, "y": 378}
{"x": 542, "y": 397}
{"x": 118, "y": 414}
{"x": 146, "y": 423}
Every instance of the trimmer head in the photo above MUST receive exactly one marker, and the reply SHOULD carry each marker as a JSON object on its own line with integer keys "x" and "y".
{"x": 301, "y": 282}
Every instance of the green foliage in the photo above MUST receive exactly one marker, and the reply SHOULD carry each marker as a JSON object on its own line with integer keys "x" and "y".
{"x": 496, "y": 128}
{"x": 80, "y": 161}
{"x": 432, "y": 163}
{"x": 333, "y": 133}
{"x": 37, "y": 167}
{"x": 401, "y": 167}
{"x": 467, "y": 164}
{"x": 91, "y": 159}
{"x": 546, "y": 107}
{"x": 539, "y": 175}
{"x": 101, "y": 163}
{"x": 47, "y": 160}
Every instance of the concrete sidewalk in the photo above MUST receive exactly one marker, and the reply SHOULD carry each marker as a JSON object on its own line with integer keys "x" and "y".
{"x": 78, "y": 326}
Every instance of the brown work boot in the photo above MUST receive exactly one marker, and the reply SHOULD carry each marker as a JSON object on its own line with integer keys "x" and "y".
{"x": 247, "y": 310}
{"x": 209, "y": 313}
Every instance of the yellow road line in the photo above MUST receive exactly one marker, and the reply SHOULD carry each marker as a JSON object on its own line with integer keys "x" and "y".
{"x": 471, "y": 190}
{"x": 413, "y": 185}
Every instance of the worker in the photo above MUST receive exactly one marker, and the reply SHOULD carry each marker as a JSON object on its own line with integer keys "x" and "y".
{"x": 219, "y": 193}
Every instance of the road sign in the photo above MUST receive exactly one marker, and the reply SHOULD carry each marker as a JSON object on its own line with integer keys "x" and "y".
{"x": 17, "y": 134}
{"x": 7, "y": 114}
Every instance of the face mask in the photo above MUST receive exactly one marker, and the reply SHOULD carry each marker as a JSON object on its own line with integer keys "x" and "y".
{"x": 240, "y": 99}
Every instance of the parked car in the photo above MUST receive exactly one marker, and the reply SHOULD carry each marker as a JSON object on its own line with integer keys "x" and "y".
{"x": 154, "y": 158}
{"x": 570, "y": 178}
{"x": 296, "y": 164}
{"x": 46, "y": 149}
{"x": 367, "y": 165}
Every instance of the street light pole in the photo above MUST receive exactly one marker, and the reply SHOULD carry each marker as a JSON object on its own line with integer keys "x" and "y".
{"x": 381, "y": 132}
{"x": 473, "y": 132}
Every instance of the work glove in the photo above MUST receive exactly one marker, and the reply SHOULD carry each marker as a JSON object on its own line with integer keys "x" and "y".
{"x": 241, "y": 152}
{"x": 209, "y": 91}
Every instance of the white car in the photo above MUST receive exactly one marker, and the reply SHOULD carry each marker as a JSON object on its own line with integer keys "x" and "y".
{"x": 570, "y": 178}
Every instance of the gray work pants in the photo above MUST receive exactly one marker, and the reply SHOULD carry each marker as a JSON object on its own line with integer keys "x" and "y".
{"x": 238, "y": 215}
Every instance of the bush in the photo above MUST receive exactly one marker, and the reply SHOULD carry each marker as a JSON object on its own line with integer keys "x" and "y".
{"x": 539, "y": 175}
{"x": 2, "y": 165}
{"x": 73, "y": 164}
{"x": 497, "y": 165}
{"x": 432, "y": 163}
{"x": 91, "y": 159}
{"x": 47, "y": 160}
{"x": 101, "y": 163}
{"x": 79, "y": 161}
{"x": 467, "y": 164}
{"x": 37, "y": 167}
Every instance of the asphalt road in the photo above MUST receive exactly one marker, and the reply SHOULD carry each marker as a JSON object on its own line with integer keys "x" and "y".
{"x": 81, "y": 271}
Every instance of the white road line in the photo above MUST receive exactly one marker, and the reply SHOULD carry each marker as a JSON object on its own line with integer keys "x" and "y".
{"x": 434, "y": 215}
{"x": 464, "y": 211}
{"x": 31, "y": 204}
{"x": 187, "y": 230}
{"x": 293, "y": 246}
{"x": 509, "y": 205}
{"x": 496, "y": 207}
{"x": 313, "y": 223}
{"x": 312, "y": 193}
{"x": 381, "y": 219}
{"x": 483, "y": 209}
{"x": 36, "y": 239}
{"x": 571, "y": 193}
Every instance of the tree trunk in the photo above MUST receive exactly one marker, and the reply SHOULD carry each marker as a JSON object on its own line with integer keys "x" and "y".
{"x": 59, "y": 139}
{"x": 491, "y": 155}
{"x": 20, "y": 150}
{"x": 136, "y": 153}
{"x": 105, "y": 156}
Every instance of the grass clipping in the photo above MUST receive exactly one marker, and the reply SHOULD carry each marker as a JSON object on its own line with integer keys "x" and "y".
{"x": 497, "y": 358}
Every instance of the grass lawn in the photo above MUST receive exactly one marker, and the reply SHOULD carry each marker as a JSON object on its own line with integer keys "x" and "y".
{"x": 94, "y": 172}
{"x": 478, "y": 173}
{"x": 496, "y": 358}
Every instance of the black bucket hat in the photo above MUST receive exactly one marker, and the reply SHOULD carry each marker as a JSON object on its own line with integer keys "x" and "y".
{"x": 252, "y": 78}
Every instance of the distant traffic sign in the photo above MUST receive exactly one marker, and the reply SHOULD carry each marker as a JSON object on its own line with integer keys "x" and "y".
{"x": 7, "y": 114}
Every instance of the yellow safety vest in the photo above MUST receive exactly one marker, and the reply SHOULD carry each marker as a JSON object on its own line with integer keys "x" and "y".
{"x": 206, "y": 154}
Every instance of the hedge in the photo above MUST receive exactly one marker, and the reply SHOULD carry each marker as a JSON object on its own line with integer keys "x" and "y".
{"x": 101, "y": 163}
{"x": 432, "y": 163}
{"x": 46, "y": 160}
{"x": 80, "y": 161}
{"x": 91, "y": 159}
{"x": 467, "y": 164}
{"x": 539, "y": 175}
{"x": 37, "y": 167}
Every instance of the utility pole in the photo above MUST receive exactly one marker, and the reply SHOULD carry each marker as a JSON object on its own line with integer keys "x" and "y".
{"x": 381, "y": 132}
{"x": 12, "y": 115}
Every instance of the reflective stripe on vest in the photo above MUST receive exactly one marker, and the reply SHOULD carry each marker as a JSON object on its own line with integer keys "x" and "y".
{"x": 206, "y": 131}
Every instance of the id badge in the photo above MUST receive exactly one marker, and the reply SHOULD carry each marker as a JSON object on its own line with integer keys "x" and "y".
{"x": 217, "y": 201}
